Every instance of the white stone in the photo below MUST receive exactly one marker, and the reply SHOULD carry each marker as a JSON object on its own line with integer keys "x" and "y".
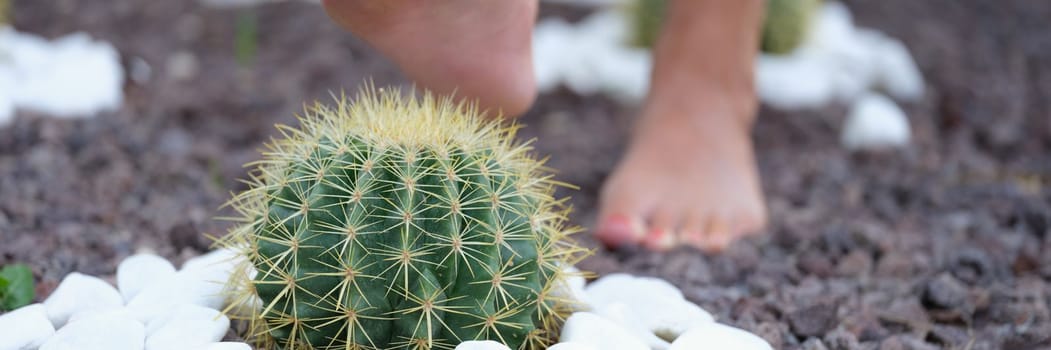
{"x": 795, "y": 81}
{"x": 716, "y": 336}
{"x": 104, "y": 333}
{"x": 893, "y": 66}
{"x": 571, "y": 288}
{"x": 202, "y": 281}
{"x": 552, "y": 39}
{"x": 224, "y": 346}
{"x": 875, "y": 123}
{"x": 651, "y": 303}
{"x": 219, "y": 258}
{"x": 481, "y": 345}
{"x": 25, "y": 328}
{"x": 78, "y": 292}
{"x": 622, "y": 315}
{"x": 572, "y": 346}
{"x": 72, "y": 76}
{"x": 138, "y": 271}
{"x": 92, "y": 315}
{"x": 586, "y": 328}
{"x": 187, "y": 326}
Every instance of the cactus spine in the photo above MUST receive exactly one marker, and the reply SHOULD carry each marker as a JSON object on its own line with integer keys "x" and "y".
{"x": 401, "y": 222}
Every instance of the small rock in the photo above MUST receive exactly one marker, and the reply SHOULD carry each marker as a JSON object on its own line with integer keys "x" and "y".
{"x": 771, "y": 332}
{"x": 572, "y": 346}
{"x": 571, "y": 288}
{"x": 875, "y": 123}
{"x": 813, "y": 321}
{"x": 104, "y": 333}
{"x": 854, "y": 264}
{"x": 591, "y": 329}
{"x": 224, "y": 346}
{"x": 841, "y": 339}
{"x": 25, "y": 328}
{"x": 100, "y": 314}
{"x": 948, "y": 337}
{"x": 182, "y": 65}
{"x": 905, "y": 342}
{"x": 187, "y": 326}
{"x": 944, "y": 292}
{"x": 200, "y": 282}
{"x": 814, "y": 344}
{"x": 655, "y": 304}
{"x": 138, "y": 271}
{"x": 481, "y": 345}
{"x": 717, "y": 336}
{"x": 79, "y": 292}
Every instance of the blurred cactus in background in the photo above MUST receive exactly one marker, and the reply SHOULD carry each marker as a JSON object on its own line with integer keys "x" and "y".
{"x": 784, "y": 27}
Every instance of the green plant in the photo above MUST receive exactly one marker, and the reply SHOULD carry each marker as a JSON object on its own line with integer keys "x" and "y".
{"x": 16, "y": 286}
{"x": 401, "y": 222}
{"x": 785, "y": 23}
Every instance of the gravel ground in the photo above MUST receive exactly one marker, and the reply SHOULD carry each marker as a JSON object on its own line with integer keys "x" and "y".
{"x": 943, "y": 245}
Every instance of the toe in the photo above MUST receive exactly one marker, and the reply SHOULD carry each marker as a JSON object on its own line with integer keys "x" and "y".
{"x": 692, "y": 230}
{"x": 618, "y": 230}
{"x": 717, "y": 235}
{"x": 661, "y": 232}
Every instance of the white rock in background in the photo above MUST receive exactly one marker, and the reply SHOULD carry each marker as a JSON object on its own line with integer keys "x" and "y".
{"x": 716, "y": 336}
{"x": 201, "y": 281}
{"x": 481, "y": 345}
{"x": 793, "y": 81}
{"x": 72, "y": 76}
{"x": 598, "y": 332}
{"x": 104, "y": 333}
{"x": 894, "y": 68}
{"x": 77, "y": 293}
{"x": 186, "y": 327}
{"x": 25, "y": 328}
{"x": 138, "y": 271}
{"x": 551, "y": 40}
{"x": 572, "y": 346}
{"x": 875, "y": 123}
{"x": 224, "y": 346}
{"x": 648, "y": 302}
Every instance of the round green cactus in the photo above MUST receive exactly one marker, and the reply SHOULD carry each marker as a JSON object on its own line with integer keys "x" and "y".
{"x": 786, "y": 24}
{"x": 401, "y": 222}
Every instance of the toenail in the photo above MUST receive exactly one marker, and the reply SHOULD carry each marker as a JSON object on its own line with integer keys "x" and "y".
{"x": 618, "y": 230}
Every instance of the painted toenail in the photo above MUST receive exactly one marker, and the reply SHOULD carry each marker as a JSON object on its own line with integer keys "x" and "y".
{"x": 618, "y": 230}
{"x": 659, "y": 239}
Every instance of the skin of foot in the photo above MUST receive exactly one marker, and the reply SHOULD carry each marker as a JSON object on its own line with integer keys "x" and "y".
{"x": 689, "y": 175}
{"x": 478, "y": 49}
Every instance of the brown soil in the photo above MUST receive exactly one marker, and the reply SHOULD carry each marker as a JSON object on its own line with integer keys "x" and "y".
{"x": 945, "y": 244}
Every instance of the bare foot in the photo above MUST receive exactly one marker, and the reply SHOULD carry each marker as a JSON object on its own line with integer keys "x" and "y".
{"x": 474, "y": 48}
{"x": 684, "y": 180}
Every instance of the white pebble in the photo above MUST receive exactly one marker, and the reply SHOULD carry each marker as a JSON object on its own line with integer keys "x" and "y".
{"x": 875, "y": 123}
{"x": 96, "y": 314}
{"x": 224, "y": 346}
{"x": 138, "y": 271}
{"x": 895, "y": 69}
{"x": 572, "y": 346}
{"x": 591, "y": 329}
{"x": 716, "y": 336}
{"x": 202, "y": 281}
{"x": 187, "y": 326}
{"x": 79, "y": 292}
{"x": 25, "y": 328}
{"x": 571, "y": 288}
{"x": 481, "y": 345}
{"x": 651, "y": 303}
{"x": 104, "y": 333}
